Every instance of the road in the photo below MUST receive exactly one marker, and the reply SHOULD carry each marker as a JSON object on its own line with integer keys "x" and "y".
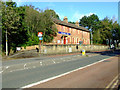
{"x": 95, "y": 76}
{"x": 26, "y": 77}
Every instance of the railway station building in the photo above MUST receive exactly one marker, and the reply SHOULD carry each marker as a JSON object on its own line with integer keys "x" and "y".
{"x": 70, "y": 33}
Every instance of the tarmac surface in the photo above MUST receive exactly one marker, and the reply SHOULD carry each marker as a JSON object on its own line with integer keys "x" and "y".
{"x": 25, "y": 73}
{"x": 95, "y": 76}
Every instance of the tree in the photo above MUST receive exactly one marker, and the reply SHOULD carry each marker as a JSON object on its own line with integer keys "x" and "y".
{"x": 71, "y": 22}
{"x": 13, "y": 22}
{"x": 109, "y": 30}
{"x": 40, "y": 21}
{"x": 91, "y": 23}
{"x": 52, "y": 13}
{"x": 49, "y": 28}
{"x": 116, "y": 33}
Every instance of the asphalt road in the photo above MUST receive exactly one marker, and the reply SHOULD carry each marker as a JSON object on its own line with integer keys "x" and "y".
{"x": 26, "y": 60}
{"x": 100, "y": 75}
{"x": 25, "y": 77}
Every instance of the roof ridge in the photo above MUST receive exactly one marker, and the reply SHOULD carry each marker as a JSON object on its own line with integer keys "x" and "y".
{"x": 69, "y": 24}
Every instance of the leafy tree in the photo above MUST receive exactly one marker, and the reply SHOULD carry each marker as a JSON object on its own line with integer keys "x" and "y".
{"x": 116, "y": 33}
{"x": 13, "y": 22}
{"x": 52, "y": 13}
{"x": 108, "y": 30}
{"x": 50, "y": 29}
{"x": 101, "y": 30}
{"x": 91, "y": 23}
{"x": 71, "y": 22}
{"x": 40, "y": 21}
{"x": 32, "y": 19}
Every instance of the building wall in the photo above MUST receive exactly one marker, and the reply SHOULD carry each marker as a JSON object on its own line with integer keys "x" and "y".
{"x": 74, "y": 38}
{"x": 55, "y": 49}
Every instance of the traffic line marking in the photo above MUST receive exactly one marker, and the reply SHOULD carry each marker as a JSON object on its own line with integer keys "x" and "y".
{"x": 54, "y": 77}
{"x": 25, "y": 65}
{"x": 108, "y": 86}
{"x": 53, "y": 61}
{"x": 7, "y": 67}
{"x": 116, "y": 83}
{"x": 1, "y": 71}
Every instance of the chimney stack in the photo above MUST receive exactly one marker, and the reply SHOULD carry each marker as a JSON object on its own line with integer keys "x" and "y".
{"x": 77, "y": 23}
{"x": 65, "y": 19}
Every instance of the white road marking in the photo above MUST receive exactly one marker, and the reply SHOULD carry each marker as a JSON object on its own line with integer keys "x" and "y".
{"x": 24, "y": 66}
{"x": 41, "y": 63}
{"x": 11, "y": 71}
{"x": 39, "y": 82}
{"x": 34, "y": 66}
{"x": 7, "y": 67}
{"x": 53, "y": 61}
{"x": 1, "y": 71}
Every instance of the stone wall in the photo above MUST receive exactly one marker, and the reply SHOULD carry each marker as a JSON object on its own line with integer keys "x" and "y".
{"x": 52, "y": 49}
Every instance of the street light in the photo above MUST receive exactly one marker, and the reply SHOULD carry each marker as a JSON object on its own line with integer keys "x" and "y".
{"x": 6, "y": 35}
{"x": 91, "y": 37}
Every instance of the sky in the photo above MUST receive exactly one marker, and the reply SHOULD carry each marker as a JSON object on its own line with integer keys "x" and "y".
{"x": 76, "y": 10}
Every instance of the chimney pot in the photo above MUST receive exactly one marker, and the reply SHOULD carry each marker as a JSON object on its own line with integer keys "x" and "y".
{"x": 65, "y": 19}
{"x": 77, "y": 23}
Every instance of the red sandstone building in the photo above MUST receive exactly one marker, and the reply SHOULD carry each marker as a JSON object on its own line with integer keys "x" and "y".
{"x": 70, "y": 33}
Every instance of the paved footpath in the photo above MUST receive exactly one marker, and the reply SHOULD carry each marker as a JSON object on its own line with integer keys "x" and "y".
{"x": 98, "y": 75}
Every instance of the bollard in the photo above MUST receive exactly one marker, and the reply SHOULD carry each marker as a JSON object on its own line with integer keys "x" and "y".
{"x": 83, "y": 52}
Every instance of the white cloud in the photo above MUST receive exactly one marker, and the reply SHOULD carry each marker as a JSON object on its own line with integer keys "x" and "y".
{"x": 61, "y": 16}
{"x": 77, "y": 15}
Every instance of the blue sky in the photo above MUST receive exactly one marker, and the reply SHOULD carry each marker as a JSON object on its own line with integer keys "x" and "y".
{"x": 76, "y": 10}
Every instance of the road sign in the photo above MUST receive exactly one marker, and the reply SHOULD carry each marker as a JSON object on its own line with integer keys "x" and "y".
{"x": 40, "y": 34}
{"x": 40, "y": 38}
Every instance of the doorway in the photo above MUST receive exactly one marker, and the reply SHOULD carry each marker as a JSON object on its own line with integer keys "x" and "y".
{"x": 64, "y": 40}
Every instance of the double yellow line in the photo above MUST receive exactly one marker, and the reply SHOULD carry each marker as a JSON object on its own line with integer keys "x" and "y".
{"x": 113, "y": 83}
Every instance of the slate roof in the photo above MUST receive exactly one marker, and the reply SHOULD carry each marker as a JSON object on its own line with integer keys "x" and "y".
{"x": 70, "y": 25}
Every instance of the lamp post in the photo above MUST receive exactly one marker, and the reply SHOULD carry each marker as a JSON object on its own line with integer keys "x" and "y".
{"x": 6, "y": 44}
{"x": 6, "y": 35}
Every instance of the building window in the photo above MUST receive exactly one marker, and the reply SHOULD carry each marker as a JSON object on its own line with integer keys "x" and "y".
{"x": 61, "y": 41}
{"x": 77, "y": 40}
{"x": 73, "y": 40}
{"x": 70, "y": 30}
{"x": 58, "y": 41}
{"x": 78, "y": 31}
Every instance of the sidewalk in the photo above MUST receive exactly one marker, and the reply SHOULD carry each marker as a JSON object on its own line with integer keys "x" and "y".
{"x": 34, "y": 54}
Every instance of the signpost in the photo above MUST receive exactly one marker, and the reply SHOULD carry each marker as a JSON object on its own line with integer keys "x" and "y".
{"x": 40, "y": 38}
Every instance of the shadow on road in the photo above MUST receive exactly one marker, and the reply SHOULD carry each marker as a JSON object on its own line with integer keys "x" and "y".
{"x": 108, "y": 53}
